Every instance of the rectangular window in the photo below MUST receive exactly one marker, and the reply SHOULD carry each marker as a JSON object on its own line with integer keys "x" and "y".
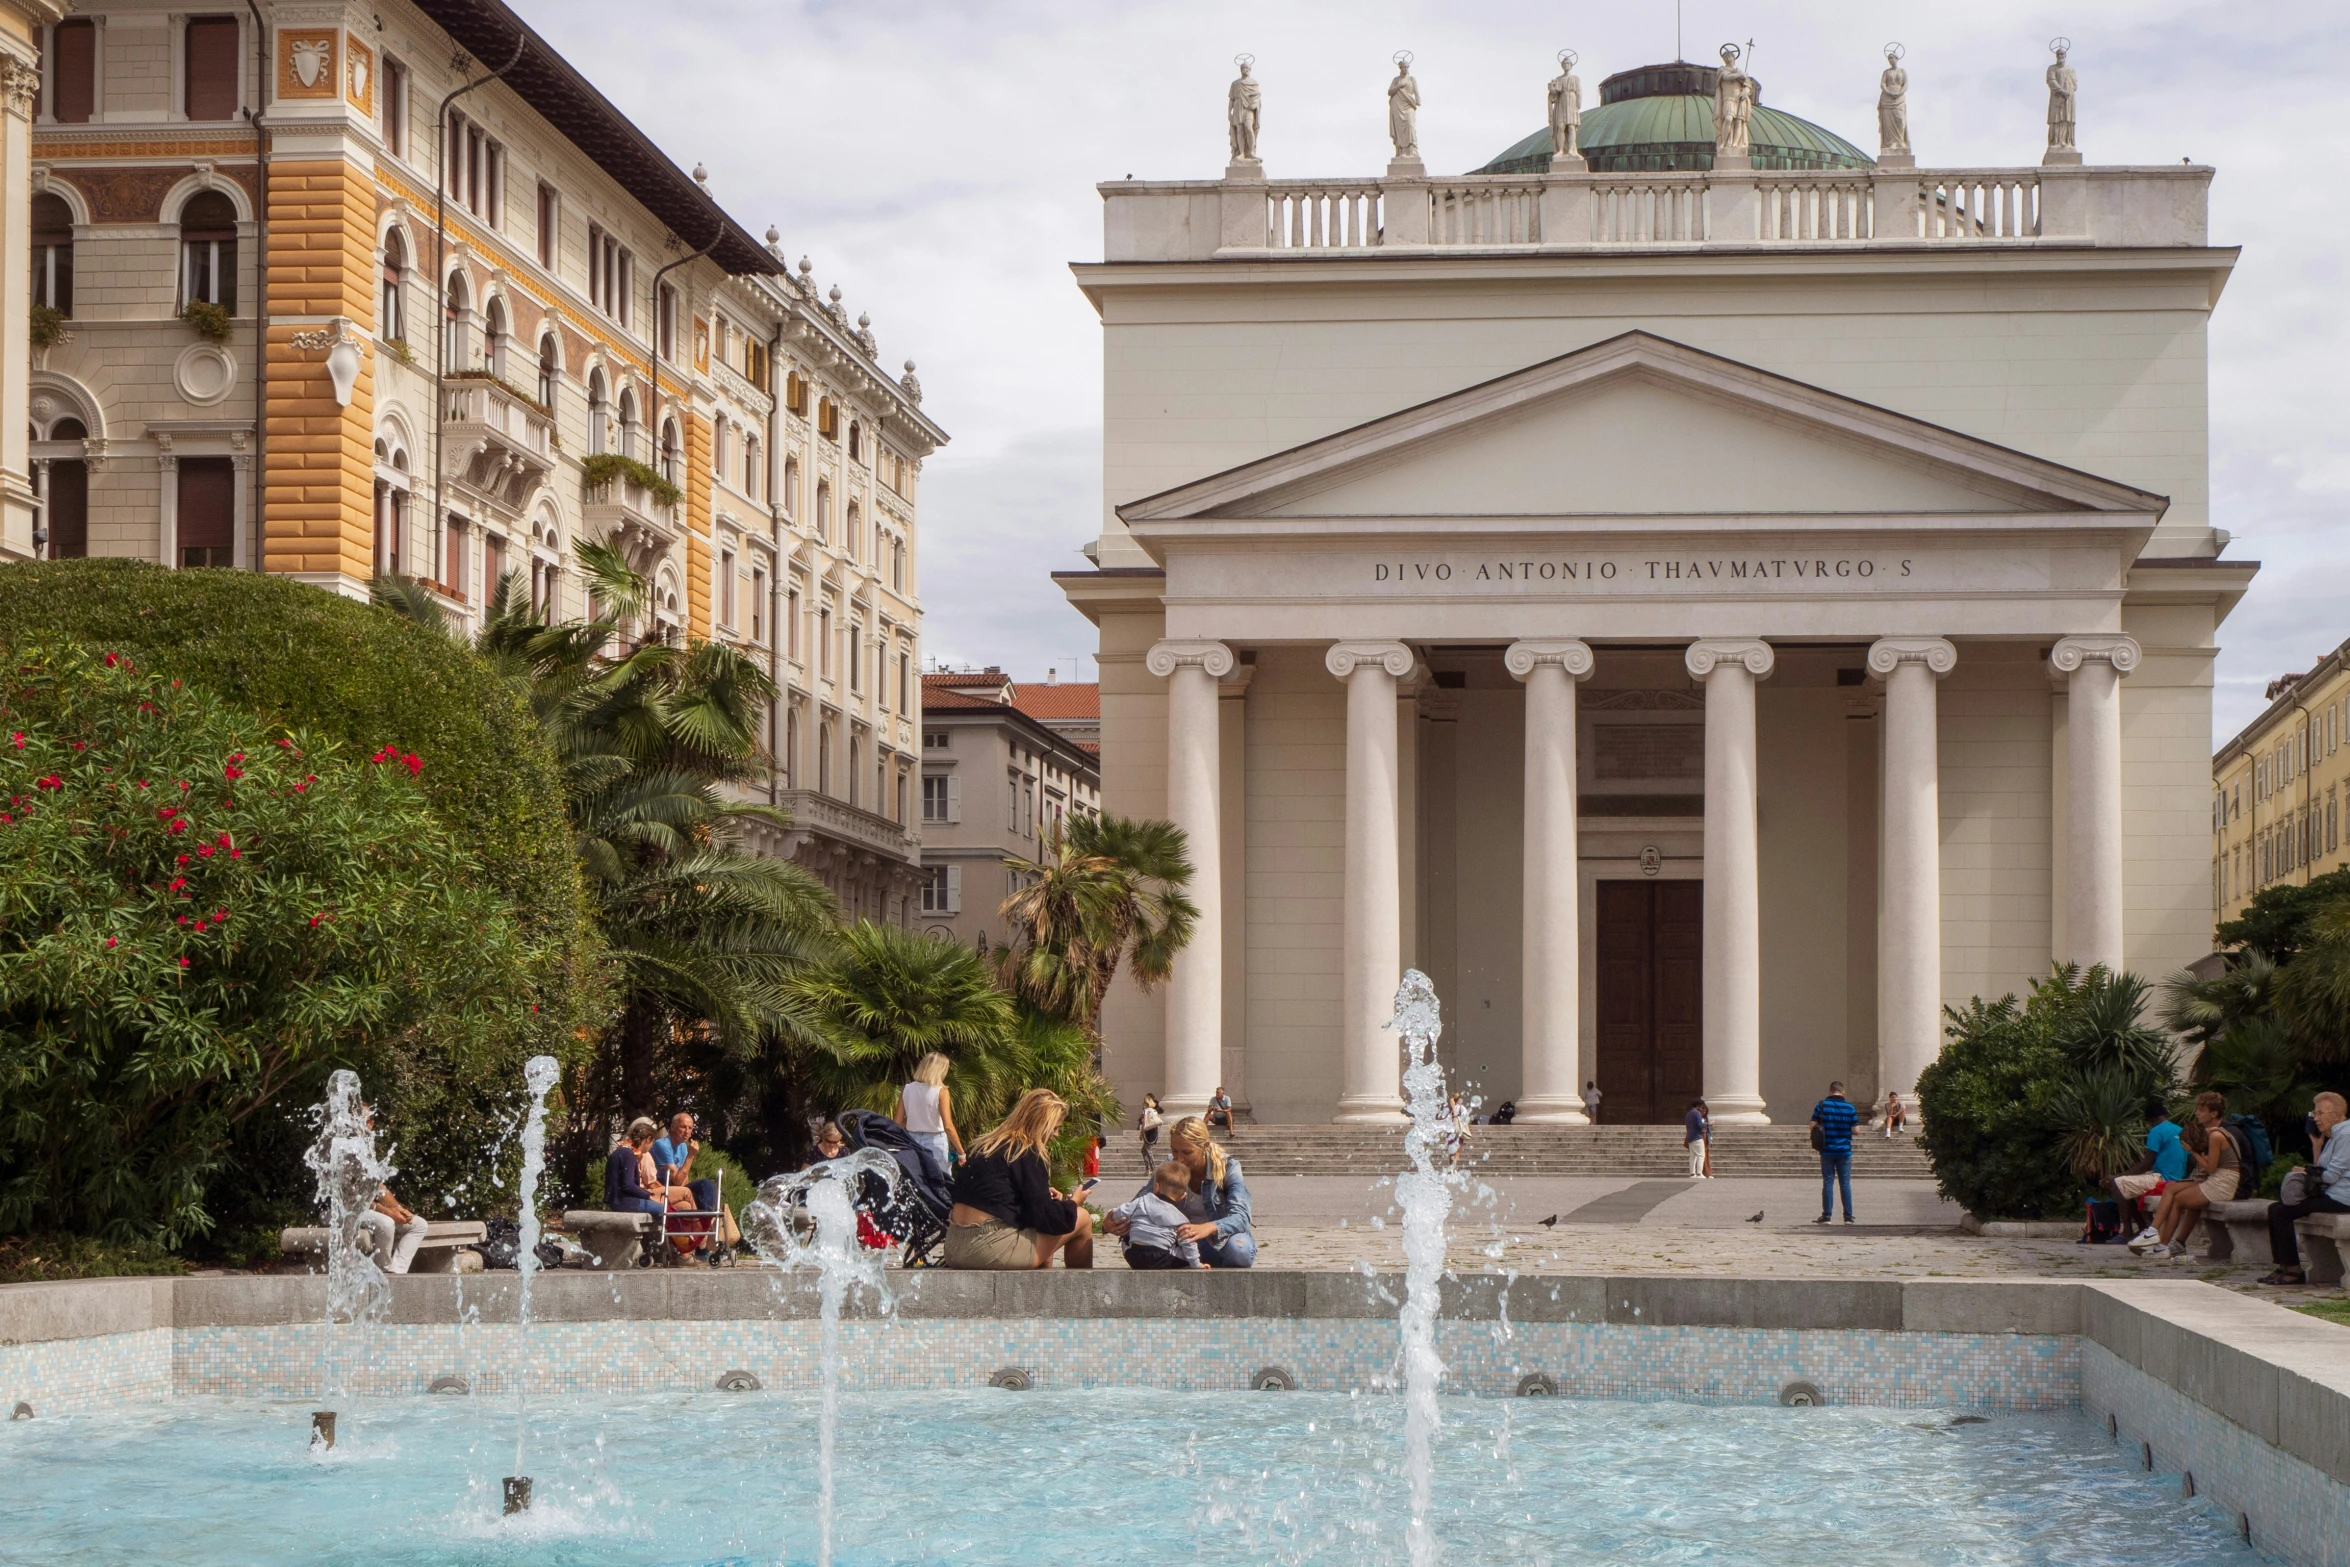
{"x": 395, "y": 91}
{"x": 759, "y": 606}
{"x": 898, "y": 810}
{"x": 791, "y": 624}
{"x": 824, "y": 643}
{"x": 934, "y": 739}
{"x": 856, "y": 657}
{"x": 73, "y": 71}
{"x": 665, "y": 324}
{"x": 453, "y": 558}
{"x": 209, "y": 61}
{"x": 905, "y": 681}
{"x": 934, "y": 798}
{"x": 493, "y": 562}
{"x": 550, "y": 225}
{"x": 208, "y": 260}
{"x": 1028, "y": 808}
{"x": 942, "y": 889}
{"x": 726, "y": 589}
{"x": 1012, "y": 802}
{"x": 207, "y": 493}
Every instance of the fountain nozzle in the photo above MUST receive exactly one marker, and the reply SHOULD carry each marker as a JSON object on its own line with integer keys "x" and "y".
{"x": 517, "y": 1494}
{"x": 322, "y": 1428}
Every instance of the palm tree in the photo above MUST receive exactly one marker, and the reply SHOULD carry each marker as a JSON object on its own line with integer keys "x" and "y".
{"x": 1106, "y": 890}
{"x": 883, "y": 999}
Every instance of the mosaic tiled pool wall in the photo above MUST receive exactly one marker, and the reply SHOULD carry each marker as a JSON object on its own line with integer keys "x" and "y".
{"x": 2289, "y": 1509}
{"x": 62, "y": 1376}
{"x": 1710, "y": 1365}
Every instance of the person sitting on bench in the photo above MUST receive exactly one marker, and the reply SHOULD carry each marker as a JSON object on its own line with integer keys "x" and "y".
{"x": 2325, "y": 1190}
{"x": 624, "y": 1172}
{"x": 673, "y": 1164}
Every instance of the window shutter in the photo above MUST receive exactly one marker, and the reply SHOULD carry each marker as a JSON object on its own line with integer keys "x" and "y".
{"x": 74, "y": 75}
{"x": 954, "y": 798}
{"x": 207, "y": 508}
{"x": 954, "y": 889}
{"x": 211, "y": 64}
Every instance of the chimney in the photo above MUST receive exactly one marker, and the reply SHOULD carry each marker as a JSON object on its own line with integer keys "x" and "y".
{"x": 1052, "y": 677}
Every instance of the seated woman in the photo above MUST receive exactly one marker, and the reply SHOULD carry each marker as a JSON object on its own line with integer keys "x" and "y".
{"x": 1896, "y": 1115}
{"x": 627, "y": 1186}
{"x": 2212, "y": 1178}
{"x": 1219, "y": 1198}
{"x": 1006, "y": 1213}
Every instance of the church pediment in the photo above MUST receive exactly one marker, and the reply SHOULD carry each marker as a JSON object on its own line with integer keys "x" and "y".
{"x": 1639, "y": 426}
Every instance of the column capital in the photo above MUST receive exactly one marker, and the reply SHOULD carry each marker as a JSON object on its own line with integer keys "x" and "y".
{"x": 2070, "y": 653}
{"x": 1345, "y": 657}
{"x": 1165, "y": 658}
{"x": 1569, "y": 654}
{"x": 1756, "y": 655}
{"x": 1890, "y": 653}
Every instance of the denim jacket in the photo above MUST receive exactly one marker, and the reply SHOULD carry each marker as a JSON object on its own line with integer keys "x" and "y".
{"x": 1225, "y": 1202}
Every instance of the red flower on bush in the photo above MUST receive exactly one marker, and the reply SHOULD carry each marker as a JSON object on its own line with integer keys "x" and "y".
{"x": 113, "y": 659}
{"x": 415, "y": 764}
{"x": 16, "y": 738}
{"x": 183, "y": 963}
{"x": 179, "y": 826}
{"x": 204, "y": 851}
{"x": 50, "y": 782}
{"x": 177, "y": 882}
{"x": 110, "y": 943}
{"x": 182, "y": 860}
{"x": 142, "y": 783}
{"x": 81, "y": 745}
{"x": 232, "y": 772}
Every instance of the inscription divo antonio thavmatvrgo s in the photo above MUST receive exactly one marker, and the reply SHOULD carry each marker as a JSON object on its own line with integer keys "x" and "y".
{"x": 1659, "y": 570}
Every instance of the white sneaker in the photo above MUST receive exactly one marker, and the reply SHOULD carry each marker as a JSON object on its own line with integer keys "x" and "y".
{"x": 2144, "y": 1238}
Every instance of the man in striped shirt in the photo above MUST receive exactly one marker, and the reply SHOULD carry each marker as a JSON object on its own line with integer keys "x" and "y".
{"x": 1832, "y": 1121}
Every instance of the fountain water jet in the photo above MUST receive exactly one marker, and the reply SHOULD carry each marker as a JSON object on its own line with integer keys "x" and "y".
{"x": 349, "y": 1174}
{"x": 829, "y": 1192}
{"x": 1425, "y": 1193}
{"x": 539, "y": 1075}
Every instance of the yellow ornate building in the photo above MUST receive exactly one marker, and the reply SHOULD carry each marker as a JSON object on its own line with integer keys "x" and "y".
{"x": 492, "y": 320}
{"x": 2281, "y": 787}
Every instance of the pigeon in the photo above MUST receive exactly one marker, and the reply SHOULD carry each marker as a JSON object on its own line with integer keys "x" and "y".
{"x": 1552, "y": 1220}
{"x": 1757, "y": 1219}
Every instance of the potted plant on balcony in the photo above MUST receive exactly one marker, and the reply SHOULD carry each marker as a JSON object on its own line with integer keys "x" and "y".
{"x": 48, "y": 328}
{"x": 604, "y": 467}
{"x": 209, "y": 321}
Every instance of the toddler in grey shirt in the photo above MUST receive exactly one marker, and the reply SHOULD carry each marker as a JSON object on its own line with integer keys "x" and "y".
{"x": 1153, "y": 1218}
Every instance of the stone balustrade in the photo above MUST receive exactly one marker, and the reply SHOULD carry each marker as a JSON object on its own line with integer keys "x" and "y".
{"x": 1199, "y": 220}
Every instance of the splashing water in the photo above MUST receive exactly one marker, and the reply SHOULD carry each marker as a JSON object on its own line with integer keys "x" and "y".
{"x": 1425, "y": 1193}
{"x": 539, "y": 1074}
{"x": 826, "y": 1239}
{"x": 350, "y": 1173}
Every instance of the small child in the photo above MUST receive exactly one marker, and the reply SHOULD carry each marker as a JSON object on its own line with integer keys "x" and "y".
{"x": 1153, "y": 1219}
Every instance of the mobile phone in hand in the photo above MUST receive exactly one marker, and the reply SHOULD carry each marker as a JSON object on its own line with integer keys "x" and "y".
{"x": 1088, "y": 1184}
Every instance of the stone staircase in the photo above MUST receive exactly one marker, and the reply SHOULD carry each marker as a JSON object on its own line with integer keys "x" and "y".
{"x": 1635, "y": 1151}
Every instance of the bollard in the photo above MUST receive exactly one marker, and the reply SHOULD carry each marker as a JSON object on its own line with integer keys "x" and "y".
{"x": 322, "y": 1428}
{"x": 517, "y": 1494}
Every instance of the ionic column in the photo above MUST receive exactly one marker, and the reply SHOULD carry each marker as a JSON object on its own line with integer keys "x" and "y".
{"x": 1551, "y": 944}
{"x": 1733, "y": 881}
{"x": 1909, "y": 899}
{"x": 1195, "y": 990}
{"x": 1374, "y": 880}
{"x": 2093, "y": 667}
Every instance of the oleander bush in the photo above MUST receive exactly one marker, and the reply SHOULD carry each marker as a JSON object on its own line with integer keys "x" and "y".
{"x": 202, "y": 911}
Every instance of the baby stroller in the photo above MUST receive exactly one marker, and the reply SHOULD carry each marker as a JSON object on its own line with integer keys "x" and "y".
{"x": 917, "y": 1216}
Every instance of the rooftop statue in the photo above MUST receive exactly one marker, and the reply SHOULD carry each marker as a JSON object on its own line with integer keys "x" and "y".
{"x": 2063, "y": 88}
{"x": 1403, "y": 109}
{"x": 1733, "y": 106}
{"x": 1566, "y": 108}
{"x": 1242, "y": 105}
{"x": 1893, "y": 104}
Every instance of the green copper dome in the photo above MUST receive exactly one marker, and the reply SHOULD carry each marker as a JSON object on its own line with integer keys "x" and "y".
{"x": 1661, "y": 117}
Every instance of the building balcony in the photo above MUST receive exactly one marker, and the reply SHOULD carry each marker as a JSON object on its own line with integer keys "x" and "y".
{"x": 497, "y": 443}
{"x": 626, "y": 511}
{"x": 820, "y": 814}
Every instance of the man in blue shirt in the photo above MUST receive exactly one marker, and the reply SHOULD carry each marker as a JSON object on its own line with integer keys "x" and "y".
{"x": 1833, "y": 1118}
{"x": 2327, "y": 1189}
{"x": 673, "y": 1160}
{"x": 2165, "y": 1162}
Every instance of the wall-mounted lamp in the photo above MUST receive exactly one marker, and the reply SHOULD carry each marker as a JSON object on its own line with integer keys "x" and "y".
{"x": 344, "y": 355}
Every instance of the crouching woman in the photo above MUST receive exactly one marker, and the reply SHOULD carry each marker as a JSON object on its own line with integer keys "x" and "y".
{"x": 1006, "y": 1213}
{"x": 1219, "y": 1201}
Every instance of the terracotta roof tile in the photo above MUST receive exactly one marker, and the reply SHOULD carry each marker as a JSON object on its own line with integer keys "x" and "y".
{"x": 1059, "y": 701}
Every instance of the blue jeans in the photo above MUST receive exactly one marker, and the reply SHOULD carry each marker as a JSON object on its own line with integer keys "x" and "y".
{"x": 640, "y": 1205}
{"x": 705, "y": 1195}
{"x": 1835, "y": 1171}
{"x": 1233, "y": 1251}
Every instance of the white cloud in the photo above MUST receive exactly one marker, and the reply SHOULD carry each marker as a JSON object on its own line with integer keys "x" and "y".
{"x": 938, "y": 162}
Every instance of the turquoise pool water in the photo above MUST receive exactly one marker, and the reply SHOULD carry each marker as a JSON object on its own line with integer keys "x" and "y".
{"x": 1104, "y": 1479}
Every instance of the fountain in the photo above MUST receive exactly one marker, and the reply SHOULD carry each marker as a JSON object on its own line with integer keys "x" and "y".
{"x": 349, "y": 1174}
{"x": 828, "y": 1192}
{"x": 1425, "y": 1193}
{"x": 539, "y": 1074}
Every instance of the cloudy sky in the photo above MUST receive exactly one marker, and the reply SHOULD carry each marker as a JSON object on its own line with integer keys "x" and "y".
{"x": 937, "y": 160}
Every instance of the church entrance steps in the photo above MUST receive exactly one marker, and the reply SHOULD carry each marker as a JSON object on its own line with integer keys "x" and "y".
{"x": 1642, "y": 1152}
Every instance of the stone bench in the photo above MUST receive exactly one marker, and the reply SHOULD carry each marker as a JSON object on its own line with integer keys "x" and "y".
{"x": 447, "y": 1247}
{"x": 611, "y": 1240}
{"x": 2238, "y": 1232}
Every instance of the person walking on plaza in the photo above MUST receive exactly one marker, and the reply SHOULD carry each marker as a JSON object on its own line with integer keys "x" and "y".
{"x": 1832, "y": 1120}
{"x": 926, "y": 1108}
{"x": 1697, "y": 1134}
{"x": 1591, "y": 1102}
{"x": 1147, "y": 1123}
{"x": 2326, "y": 1189}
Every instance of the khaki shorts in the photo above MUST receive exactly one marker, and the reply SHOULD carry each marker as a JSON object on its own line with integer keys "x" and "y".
{"x": 992, "y": 1244}
{"x": 2220, "y": 1185}
{"x": 2131, "y": 1187}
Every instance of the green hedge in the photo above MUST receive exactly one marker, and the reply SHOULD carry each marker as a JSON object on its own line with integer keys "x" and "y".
{"x": 344, "y": 670}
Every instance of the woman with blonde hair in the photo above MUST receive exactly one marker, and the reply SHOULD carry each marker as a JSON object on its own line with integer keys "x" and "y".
{"x": 1219, "y": 1207}
{"x": 1007, "y": 1214}
{"x": 926, "y": 1108}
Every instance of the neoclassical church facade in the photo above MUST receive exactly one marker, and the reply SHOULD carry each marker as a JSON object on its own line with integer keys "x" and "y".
{"x": 1708, "y": 615}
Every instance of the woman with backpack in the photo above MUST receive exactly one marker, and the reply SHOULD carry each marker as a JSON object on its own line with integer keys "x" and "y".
{"x": 1147, "y": 1124}
{"x": 2217, "y": 1169}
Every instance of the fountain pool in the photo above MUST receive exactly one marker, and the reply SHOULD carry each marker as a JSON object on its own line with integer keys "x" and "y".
{"x": 1105, "y": 1477}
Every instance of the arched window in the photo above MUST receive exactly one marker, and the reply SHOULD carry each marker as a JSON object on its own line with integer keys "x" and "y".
{"x": 850, "y": 536}
{"x": 208, "y": 251}
{"x": 391, "y": 312}
{"x": 791, "y": 486}
{"x": 897, "y": 564}
{"x": 669, "y": 450}
{"x": 628, "y": 421}
{"x": 63, "y": 484}
{"x": 599, "y": 414}
{"x": 493, "y": 333}
{"x": 856, "y": 441}
{"x": 549, "y": 373}
{"x": 824, "y": 511}
{"x": 53, "y": 253}
{"x": 751, "y": 466}
{"x": 458, "y": 305}
{"x": 718, "y": 448}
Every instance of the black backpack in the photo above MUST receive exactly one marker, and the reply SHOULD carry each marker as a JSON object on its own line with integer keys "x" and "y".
{"x": 2252, "y": 1149}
